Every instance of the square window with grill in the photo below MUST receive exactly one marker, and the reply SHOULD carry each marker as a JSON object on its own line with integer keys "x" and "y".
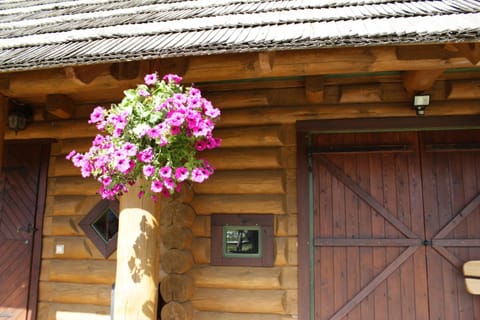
{"x": 101, "y": 226}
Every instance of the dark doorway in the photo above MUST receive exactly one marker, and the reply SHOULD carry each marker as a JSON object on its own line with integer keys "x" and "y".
{"x": 22, "y": 201}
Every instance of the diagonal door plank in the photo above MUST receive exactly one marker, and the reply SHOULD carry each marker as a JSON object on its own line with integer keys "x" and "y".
{"x": 352, "y": 185}
{"x": 362, "y": 294}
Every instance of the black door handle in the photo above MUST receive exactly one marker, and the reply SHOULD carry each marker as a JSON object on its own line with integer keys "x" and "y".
{"x": 27, "y": 229}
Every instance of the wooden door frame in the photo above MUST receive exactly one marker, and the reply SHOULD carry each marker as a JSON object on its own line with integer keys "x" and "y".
{"x": 36, "y": 255}
{"x": 304, "y": 130}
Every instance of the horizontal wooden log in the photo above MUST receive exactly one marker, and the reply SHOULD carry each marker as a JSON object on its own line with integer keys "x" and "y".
{"x": 54, "y": 130}
{"x": 243, "y": 182}
{"x": 361, "y": 93}
{"x": 177, "y": 311}
{"x": 78, "y": 271}
{"x": 177, "y": 214}
{"x": 468, "y": 89}
{"x": 239, "y": 66}
{"x": 72, "y": 205}
{"x": 289, "y": 115}
{"x": 201, "y": 250}
{"x": 61, "y": 292}
{"x": 240, "y": 300}
{"x": 221, "y": 159}
{"x": 257, "y": 98}
{"x": 207, "y": 315}
{"x": 261, "y": 117}
{"x": 61, "y": 167}
{"x": 236, "y": 277}
{"x": 176, "y": 287}
{"x": 176, "y": 261}
{"x": 73, "y": 186}
{"x": 289, "y": 278}
{"x": 201, "y": 226}
{"x": 74, "y": 248}
{"x": 61, "y": 311}
{"x": 63, "y": 147}
{"x": 62, "y": 226}
{"x": 243, "y": 158}
{"x": 262, "y": 136}
{"x": 311, "y": 62}
{"x": 176, "y": 237}
{"x": 238, "y": 204}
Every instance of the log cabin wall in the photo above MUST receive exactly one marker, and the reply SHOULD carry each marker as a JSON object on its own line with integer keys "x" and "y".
{"x": 256, "y": 174}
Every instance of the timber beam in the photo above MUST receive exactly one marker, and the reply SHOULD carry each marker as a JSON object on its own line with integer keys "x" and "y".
{"x": 265, "y": 61}
{"x": 467, "y": 89}
{"x": 314, "y": 89}
{"x": 70, "y": 129}
{"x": 420, "y": 80}
{"x": 125, "y": 70}
{"x": 172, "y": 65}
{"x": 85, "y": 74}
{"x": 60, "y": 105}
{"x": 242, "y": 66}
{"x": 471, "y": 51}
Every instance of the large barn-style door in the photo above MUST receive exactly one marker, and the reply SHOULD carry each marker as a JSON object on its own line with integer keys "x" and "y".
{"x": 22, "y": 192}
{"x": 395, "y": 216}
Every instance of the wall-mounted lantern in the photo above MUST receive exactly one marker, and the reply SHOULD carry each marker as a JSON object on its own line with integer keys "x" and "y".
{"x": 18, "y": 116}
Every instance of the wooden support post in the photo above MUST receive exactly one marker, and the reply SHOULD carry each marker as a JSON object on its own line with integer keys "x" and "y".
{"x": 3, "y": 127}
{"x": 138, "y": 252}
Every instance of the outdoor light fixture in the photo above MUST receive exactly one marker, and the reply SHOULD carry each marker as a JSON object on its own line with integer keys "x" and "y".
{"x": 420, "y": 102}
{"x": 18, "y": 116}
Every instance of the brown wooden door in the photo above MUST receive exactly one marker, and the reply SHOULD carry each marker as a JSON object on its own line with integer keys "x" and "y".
{"x": 394, "y": 219}
{"x": 20, "y": 182}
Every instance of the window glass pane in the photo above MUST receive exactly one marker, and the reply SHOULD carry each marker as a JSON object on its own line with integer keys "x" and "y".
{"x": 106, "y": 225}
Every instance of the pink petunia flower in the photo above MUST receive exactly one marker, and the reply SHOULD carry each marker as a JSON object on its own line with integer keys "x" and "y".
{"x": 172, "y": 78}
{"x": 130, "y": 149}
{"x": 165, "y": 172}
{"x": 97, "y": 115}
{"x": 148, "y": 171}
{"x": 200, "y": 145}
{"x": 71, "y": 154}
{"x": 150, "y": 79}
{"x": 169, "y": 183}
{"x": 146, "y": 155}
{"x": 199, "y": 175}
{"x": 181, "y": 174}
{"x": 156, "y": 186}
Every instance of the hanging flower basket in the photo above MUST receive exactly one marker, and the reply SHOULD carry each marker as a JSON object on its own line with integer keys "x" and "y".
{"x": 154, "y": 135}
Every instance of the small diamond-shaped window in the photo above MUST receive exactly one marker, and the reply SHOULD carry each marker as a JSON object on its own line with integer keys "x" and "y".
{"x": 101, "y": 226}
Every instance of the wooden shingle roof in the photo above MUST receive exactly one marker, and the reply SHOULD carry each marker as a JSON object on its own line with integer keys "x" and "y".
{"x": 55, "y": 33}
